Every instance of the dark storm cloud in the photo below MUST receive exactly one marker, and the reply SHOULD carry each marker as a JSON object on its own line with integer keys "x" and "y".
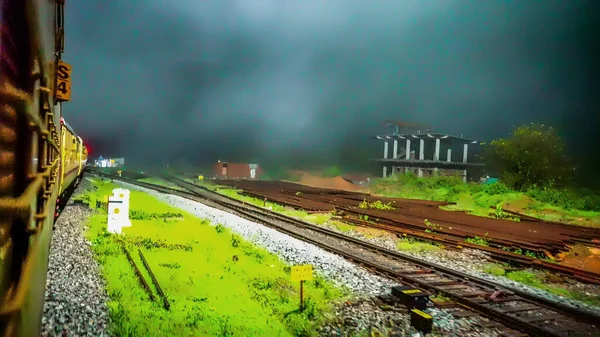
{"x": 308, "y": 80}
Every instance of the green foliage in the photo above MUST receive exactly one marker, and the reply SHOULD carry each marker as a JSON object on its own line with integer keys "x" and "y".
{"x": 494, "y": 269}
{"x": 332, "y": 171}
{"x": 533, "y": 156}
{"x": 431, "y": 225}
{"x": 567, "y": 199}
{"x": 375, "y": 205}
{"x": 416, "y": 246}
{"x": 478, "y": 241}
{"x": 440, "y": 188}
{"x": 499, "y": 213}
{"x": 138, "y": 214}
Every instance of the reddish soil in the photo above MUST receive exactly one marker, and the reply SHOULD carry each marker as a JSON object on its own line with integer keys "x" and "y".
{"x": 583, "y": 257}
{"x": 411, "y": 214}
{"x": 337, "y": 183}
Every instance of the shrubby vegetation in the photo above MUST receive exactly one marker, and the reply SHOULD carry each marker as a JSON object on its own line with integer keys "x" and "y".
{"x": 532, "y": 158}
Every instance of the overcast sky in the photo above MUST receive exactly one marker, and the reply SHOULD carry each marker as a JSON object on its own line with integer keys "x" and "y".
{"x": 309, "y": 81}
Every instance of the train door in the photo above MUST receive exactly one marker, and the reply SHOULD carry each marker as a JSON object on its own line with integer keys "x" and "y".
{"x": 63, "y": 158}
{"x": 224, "y": 170}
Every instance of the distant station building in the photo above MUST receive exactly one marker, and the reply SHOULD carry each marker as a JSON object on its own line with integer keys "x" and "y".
{"x": 223, "y": 169}
{"x": 425, "y": 153}
{"x": 110, "y": 162}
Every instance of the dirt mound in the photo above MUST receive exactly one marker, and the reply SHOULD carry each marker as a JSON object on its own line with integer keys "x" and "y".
{"x": 337, "y": 183}
{"x": 583, "y": 257}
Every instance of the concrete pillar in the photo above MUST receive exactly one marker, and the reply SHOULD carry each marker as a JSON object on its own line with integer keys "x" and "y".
{"x": 436, "y": 154}
{"x": 465, "y": 175}
{"x": 395, "y": 148}
{"x": 465, "y": 149}
{"x": 449, "y": 155}
{"x": 407, "y": 148}
{"x": 384, "y": 171}
{"x": 385, "y": 150}
{"x": 421, "y": 155}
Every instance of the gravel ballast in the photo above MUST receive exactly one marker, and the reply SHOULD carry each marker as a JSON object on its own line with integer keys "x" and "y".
{"x": 75, "y": 301}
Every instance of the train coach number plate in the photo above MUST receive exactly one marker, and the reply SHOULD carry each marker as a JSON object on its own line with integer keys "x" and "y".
{"x": 63, "y": 81}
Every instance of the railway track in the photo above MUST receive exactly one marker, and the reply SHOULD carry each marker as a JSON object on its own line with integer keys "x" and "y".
{"x": 448, "y": 232}
{"x": 514, "y": 309}
{"x": 496, "y": 253}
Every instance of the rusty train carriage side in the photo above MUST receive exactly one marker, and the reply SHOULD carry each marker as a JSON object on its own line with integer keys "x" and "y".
{"x": 31, "y": 44}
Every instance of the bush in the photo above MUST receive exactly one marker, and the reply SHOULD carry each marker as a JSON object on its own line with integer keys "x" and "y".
{"x": 533, "y": 156}
{"x": 496, "y": 188}
{"x": 332, "y": 171}
{"x": 566, "y": 199}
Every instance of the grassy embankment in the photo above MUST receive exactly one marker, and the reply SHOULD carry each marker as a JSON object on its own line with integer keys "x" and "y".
{"x": 216, "y": 282}
{"x": 566, "y": 206}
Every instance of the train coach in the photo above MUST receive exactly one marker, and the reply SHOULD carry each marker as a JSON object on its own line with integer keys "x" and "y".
{"x": 41, "y": 156}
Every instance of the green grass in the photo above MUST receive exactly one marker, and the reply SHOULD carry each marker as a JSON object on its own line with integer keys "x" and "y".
{"x": 415, "y": 246}
{"x": 478, "y": 241}
{"x": 218, "y": 284}
{"x": 538, "y": 280}
{"x": 565, "y": 206}
{"x": 494, "y": 269}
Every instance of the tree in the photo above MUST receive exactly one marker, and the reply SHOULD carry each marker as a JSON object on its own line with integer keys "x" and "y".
{"x": 532, "y": 157}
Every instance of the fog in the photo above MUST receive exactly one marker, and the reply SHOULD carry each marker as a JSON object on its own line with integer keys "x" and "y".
{"x": 297, "y": 83}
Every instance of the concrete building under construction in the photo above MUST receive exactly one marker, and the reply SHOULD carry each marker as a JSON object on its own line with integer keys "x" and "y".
{"x": 411, "y": 149}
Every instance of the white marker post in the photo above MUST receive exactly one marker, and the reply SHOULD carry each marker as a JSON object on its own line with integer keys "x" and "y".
{"x": 118, "y": 211}
{"x": 115, "y": 223}
{"x": 123, "y": 194}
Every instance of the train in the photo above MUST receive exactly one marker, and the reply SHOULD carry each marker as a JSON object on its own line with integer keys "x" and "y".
{"x": 42, "y": 159}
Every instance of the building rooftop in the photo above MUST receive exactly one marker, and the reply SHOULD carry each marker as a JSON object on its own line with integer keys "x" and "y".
{"x": 432, "y": 135}
{"x": 427, "y": 162}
